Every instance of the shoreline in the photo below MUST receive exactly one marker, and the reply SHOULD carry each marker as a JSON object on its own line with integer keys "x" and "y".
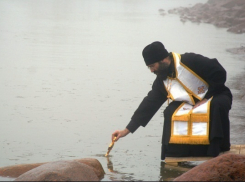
{"x": 227, "y": 14}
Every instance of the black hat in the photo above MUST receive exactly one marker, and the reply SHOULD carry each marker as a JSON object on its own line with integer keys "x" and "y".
{"x": 154, "y": 52}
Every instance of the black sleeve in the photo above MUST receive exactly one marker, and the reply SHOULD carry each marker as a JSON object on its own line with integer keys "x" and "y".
{"x": 208, "y": 69}
{"x": 149, "y": 106}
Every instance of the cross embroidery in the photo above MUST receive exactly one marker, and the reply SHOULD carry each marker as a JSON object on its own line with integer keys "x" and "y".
{"x": 201, "y": 90}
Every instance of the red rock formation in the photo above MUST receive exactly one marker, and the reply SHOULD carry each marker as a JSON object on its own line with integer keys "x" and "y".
{"x": 227, "y": 167}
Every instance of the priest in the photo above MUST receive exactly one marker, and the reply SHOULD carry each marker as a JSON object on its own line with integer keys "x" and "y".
{"x": 196, "y": 120}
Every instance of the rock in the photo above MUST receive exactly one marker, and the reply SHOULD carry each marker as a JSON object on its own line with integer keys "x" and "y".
{"x": 162, "y": 12}
{"x": 221, "y": 13}
{"x": 95, "y": 164}
{"x": 60, "y": 171}
{"x": 227, "y": 167}
{"x": 17, "y": 170}
{"x": 237, "y": 50}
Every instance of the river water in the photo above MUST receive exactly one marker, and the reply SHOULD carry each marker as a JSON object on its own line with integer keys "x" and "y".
{"x": 71, "y": 73}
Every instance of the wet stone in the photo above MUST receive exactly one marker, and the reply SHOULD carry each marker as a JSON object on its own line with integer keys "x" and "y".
{"x": 227, "y": 167}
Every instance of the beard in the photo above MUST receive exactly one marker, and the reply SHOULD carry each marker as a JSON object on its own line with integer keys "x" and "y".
{"x": 162, "y": 71}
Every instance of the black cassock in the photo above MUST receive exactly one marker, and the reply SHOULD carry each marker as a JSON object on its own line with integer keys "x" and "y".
{"x": 219, "y": 132}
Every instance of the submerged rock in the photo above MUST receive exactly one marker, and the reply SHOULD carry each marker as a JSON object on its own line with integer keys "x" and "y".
{"x": 227, "y": 167}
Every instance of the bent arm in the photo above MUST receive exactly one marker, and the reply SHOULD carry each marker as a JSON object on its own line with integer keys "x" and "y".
{"x": 148, "y": 107}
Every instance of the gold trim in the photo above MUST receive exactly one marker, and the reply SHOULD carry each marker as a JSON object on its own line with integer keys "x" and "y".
{"x": 194, "y": 74}
{"x": 181, "y": 118}
{"x": 187, "y": 89}
{"x": 208, "y": 105}
{"x": 172, "y": 119}
{"x": 168, "y": 91}
{"x": 191, "y": 118}
{"x": 175, "y": 67}
{"x": 197, "y": 140}
{"x": 190, "y": 93}
{"x": 189, "y": 121}
{"x": 201, "y": 117}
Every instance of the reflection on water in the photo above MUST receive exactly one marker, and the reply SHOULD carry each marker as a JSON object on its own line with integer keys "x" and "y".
{"x": 168, "y": 171}
{"x": 116, "y": 175}
{"x": 109, "y": 164}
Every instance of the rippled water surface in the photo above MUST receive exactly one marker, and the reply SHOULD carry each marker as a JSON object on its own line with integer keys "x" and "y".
{"x": 71, "y": 72}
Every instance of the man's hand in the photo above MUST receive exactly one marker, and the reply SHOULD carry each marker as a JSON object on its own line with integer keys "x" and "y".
{"x": 200, "y": 103}
{"x": 119, "y": 134}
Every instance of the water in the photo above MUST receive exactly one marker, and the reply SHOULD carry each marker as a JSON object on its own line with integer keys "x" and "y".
{"x": 71, "y": 73}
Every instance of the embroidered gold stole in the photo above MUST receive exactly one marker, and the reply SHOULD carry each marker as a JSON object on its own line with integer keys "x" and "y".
{"x": 188, "y": 126}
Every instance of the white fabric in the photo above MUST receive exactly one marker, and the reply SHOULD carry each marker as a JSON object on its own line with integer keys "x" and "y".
{"x": 201, "y": 109}
{"x": 189, "y": 80}
{"x": 180, "y": 127}
{"x": 199, "y": 128}
{"x": 185, "y": 109}
{"x": 178, "y": 92}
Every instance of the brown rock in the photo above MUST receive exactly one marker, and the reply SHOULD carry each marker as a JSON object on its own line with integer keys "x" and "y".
{"x": 227, "y": 167}
{"x": 60, "y": 171}
{"x": 95, "y": 164}
{"x": 16, "y": 170}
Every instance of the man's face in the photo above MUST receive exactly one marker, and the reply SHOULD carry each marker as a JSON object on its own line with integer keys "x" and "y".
{"x": 160, "y": 68}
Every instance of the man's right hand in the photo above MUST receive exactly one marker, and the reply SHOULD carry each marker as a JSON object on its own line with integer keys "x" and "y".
{"x": 119, "y": 134}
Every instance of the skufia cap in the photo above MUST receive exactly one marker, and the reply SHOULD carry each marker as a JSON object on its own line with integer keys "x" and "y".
{"x": 154, "y": 52}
